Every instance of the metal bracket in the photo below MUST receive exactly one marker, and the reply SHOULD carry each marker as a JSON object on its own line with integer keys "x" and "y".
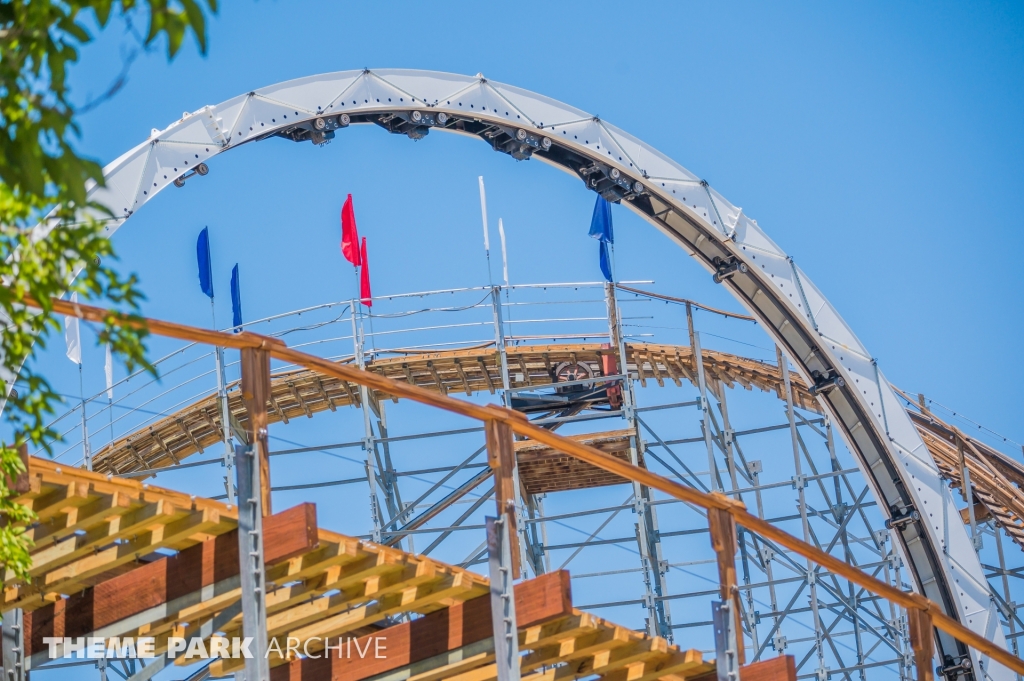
{"x": 727, "y": 661}
{"x": 252, "y": 571}
{"x": 779, "y": 643}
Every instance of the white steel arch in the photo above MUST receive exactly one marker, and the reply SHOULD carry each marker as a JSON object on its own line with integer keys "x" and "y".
{"x": 716, "y": 233}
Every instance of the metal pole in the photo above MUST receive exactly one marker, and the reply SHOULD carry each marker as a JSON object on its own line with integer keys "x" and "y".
{"x": 503, "y": 602}
{"x": 968, "y": 493}
{"x": 392, "y": 495}
{"x": 13, "y": 644}
{"x": 225, "y": 417}
{"x": 705, "y": 421}
{"x": 86, "y": 451}
{"x": 1006, "y": 591}
{"x": 728, "y": 436}
{"x": 499, "y": 340}
{"x": 506, "y": 399}
{"x": 250, "y": 547}
{"x": 799, "y": 483}
{"x": 369, "y": 442}
{"x": 659, "y": 617}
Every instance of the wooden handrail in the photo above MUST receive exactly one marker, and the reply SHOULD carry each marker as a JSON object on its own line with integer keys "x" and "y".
{"x": 522, "y": 426}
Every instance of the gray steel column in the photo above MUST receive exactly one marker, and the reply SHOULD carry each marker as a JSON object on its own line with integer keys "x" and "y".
{"x": 499, "y": 341}
{"x": 369, "y": 442}
{"x": 225, "y": 421}
{"x": 506, "y": 399}
{"x": 250, "y": 554}
{"x": 503, "y": 602}
{"x": 799, "y": 483}
{"x": 389, "y": 480}
{"x": 705, "y": 420}
{"x": 727, "y": 437}
{"x": 13, "y": 644}
{"x": 1006, "y": 591}
{"x": 659, "y": 617}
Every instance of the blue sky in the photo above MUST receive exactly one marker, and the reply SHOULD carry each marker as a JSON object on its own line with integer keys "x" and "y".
{"x": 878, "y": 144}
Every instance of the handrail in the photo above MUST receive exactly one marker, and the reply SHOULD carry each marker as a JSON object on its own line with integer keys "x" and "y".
{"x": 685, "y": 301}
{"x": 519, "y": 424}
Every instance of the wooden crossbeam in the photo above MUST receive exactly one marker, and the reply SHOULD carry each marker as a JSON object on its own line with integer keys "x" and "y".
{"x": 164, "y": 589}
{"x": 92, "y": 524}
{"x": 319, "y": 584}
{"x": 537, "y": 600}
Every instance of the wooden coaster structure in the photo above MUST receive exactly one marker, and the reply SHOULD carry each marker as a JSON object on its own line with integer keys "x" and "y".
{"x": 300, "y": 393}
{"x": 996, "y": 480}
{"x": 724, "y": 513}
{"x": 323, "y": 585}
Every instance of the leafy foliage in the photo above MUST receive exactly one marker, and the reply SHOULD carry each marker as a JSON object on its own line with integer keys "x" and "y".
{"x": 41, "y": 176}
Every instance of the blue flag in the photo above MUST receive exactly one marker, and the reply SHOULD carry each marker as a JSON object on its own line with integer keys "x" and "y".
{"x": 205, "y": 267}
{"x": 236, "y": 300}
{"x": 601, "y": 223}
{"x": 601, "y": 229}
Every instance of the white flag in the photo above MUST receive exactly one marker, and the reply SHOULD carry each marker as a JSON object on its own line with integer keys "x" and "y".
{"x": 504, "y": 257}
{"x": 108, "y": 369}
{"x": 483, "y": 214}
{"x": 72, "y": 336}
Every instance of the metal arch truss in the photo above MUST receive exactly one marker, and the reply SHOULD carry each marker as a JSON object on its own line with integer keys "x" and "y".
{"x": 719, "y": 235}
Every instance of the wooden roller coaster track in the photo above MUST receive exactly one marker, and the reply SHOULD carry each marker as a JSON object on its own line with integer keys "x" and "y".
{"x": 724, "y": 513}
{"x": 996, "y": 479}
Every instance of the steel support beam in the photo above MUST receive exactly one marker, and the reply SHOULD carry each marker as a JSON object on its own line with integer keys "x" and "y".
{"x": 503, "y": 604}
{"x": 13, "y": 645}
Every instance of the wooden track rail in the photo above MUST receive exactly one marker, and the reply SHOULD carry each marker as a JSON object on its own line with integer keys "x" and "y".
{"x": 300, "y": 393}
{"x": 921, "y": 609}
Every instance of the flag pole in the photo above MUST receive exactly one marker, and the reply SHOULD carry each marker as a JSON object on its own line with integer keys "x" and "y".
{"x": 225, "y": 413}
{"x": 108, "y": 370}
{"x": 504, "y": 273}
{"x": 87, "y": 454}
{"x": 487, "y": 238}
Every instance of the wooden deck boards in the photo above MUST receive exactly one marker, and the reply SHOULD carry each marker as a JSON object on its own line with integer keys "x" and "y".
{"x": 541, "y": 469}
{"x": 319, "y": 584}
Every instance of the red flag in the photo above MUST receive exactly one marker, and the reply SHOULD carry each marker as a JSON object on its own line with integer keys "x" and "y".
{"x": 365, "y": 297}
{"x": 349, "y": 234}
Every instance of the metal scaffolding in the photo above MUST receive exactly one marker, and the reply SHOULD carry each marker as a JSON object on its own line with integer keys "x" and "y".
{"x": 781, "y": 460}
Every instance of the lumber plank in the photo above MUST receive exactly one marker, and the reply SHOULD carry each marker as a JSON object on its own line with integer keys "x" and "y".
{"x": 172, "y": 578}
{"x": 538, "y": 600}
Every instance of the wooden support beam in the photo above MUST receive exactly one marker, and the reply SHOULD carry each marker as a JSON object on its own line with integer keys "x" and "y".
{"x": 256, "y": 394}
{"x": 723, "y": 541}
{"x": 538, "y": 601}
{"x": 922, "y": 640}
{"x": 501, "y": 456}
